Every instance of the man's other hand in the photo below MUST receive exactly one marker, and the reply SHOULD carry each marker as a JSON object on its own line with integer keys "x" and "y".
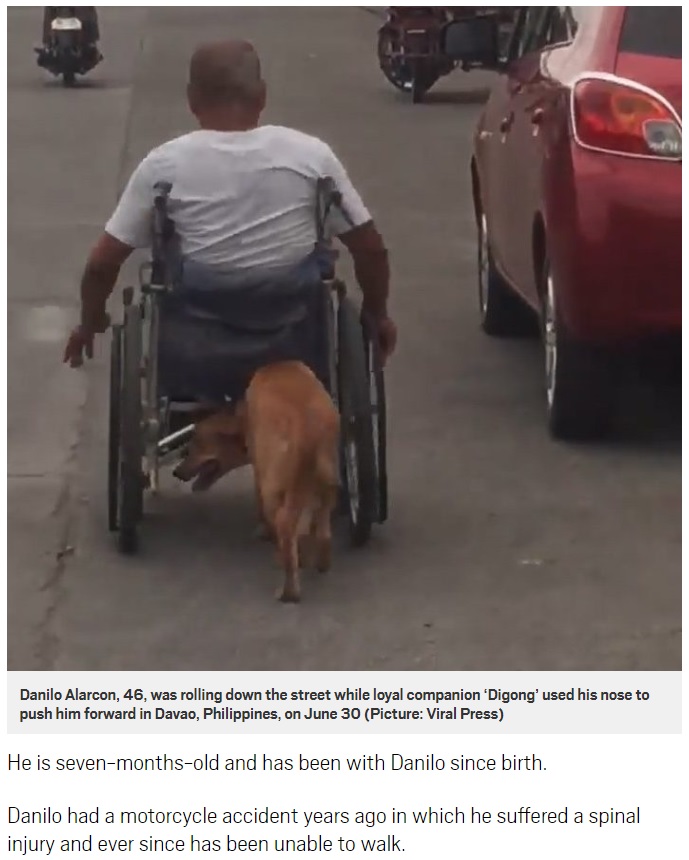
{"x": 80, "y": 343}
{"x": 386, "y": 335}
{"x": 372, "y": 269}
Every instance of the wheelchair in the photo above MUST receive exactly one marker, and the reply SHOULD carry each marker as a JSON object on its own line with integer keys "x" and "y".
{"x": 151, "y": 422}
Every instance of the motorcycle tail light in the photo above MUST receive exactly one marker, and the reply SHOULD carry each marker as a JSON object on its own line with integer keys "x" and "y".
{"x": 620, "y": 118}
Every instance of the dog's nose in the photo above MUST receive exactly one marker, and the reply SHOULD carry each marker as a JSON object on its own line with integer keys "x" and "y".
{"x": 178, "y": 472}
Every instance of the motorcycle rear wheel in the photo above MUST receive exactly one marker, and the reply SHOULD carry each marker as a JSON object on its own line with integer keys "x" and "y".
{"x": 395, "y": 71}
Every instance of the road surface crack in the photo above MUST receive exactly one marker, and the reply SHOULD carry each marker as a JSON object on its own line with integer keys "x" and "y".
{"x": 65, "y": 512}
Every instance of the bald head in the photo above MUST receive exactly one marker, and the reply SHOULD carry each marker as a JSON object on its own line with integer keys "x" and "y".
{"x": 225, "y": 74}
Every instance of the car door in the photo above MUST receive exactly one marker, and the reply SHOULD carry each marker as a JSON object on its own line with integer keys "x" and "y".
{"x": 535, "y": 96}
{"x": 488, "y": 150}
{"x": 507, "y": 156}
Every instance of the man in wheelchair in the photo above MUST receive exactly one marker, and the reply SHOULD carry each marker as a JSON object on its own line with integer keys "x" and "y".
{"x": 242, "y": 200}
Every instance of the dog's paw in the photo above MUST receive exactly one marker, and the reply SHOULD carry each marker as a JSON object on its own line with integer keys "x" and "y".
{"x": 323, "y": 556}
{"x": 306, "y": 552}
{"x": 288, "y": 595}
{"x": 323, "y": 564}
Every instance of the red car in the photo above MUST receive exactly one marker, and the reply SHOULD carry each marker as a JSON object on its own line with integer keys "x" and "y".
{"x": 577, "y": 179}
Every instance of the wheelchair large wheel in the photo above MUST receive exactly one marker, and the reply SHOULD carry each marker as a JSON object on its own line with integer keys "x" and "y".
{"x": 130, "y": 480}
{"x": 358, "y": 448}
{"x": 114, "y": 428}
{"x": 378, "y": 403}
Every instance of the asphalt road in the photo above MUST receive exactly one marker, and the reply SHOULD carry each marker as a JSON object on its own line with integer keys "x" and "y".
{"x": 504, "y": 551}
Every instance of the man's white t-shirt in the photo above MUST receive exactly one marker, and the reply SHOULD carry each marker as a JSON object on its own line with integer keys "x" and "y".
{"x": 239, "y": 200}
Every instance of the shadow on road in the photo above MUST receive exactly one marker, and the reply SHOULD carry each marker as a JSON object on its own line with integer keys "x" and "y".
{"x": 457, "y": 97}
{"x": 648, "y": 409}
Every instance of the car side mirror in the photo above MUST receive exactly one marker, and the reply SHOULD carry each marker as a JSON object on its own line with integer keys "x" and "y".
{"x": 473, "y": 42}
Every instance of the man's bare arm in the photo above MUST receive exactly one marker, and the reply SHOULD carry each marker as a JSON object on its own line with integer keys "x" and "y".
{"x": 371, "y": 267}
{"x": 99, "y": 279}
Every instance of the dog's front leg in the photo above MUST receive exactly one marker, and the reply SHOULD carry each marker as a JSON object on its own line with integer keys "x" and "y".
{"x": 286, "y": 528}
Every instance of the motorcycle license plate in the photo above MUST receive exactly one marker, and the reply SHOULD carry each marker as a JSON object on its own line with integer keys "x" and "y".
{"x": 66, "y": 24}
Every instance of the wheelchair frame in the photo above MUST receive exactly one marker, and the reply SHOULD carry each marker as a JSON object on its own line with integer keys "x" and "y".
{"x": 142, "y": 438}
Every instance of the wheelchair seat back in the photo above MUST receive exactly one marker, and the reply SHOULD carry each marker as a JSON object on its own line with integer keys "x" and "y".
{"x": 216, "y": 330}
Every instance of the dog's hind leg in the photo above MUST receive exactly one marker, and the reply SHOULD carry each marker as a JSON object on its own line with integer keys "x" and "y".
{"x": 322, "y": 529}
{"x": 327, "y": 483}
{"x": 287, "y": 534}
{"x": 264, "y": 529}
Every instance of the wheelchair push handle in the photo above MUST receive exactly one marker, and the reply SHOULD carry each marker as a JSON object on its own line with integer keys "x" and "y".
{"x": 329, "y": 191}
{"x": 161, "y": 219}
{"x": 328, "y": 196}
{"x": 162, "y": 190}
{"x": 162, "y": 232}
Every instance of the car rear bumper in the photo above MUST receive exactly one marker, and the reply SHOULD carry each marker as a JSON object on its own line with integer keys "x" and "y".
{"x": 619, "y": 262}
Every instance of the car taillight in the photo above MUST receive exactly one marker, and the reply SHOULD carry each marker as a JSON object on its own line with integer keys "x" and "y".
{"x": 620, "y": 118}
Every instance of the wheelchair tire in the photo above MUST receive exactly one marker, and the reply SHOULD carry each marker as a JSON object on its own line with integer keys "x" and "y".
{"x": 357, "y": 443}
{"x": 131, "y": 484}
{"x": 114, "y": 428}
{"x": 378, "y": 403}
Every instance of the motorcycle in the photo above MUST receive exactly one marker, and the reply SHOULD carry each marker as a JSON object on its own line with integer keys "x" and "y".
{"x": 68, "y": 53}
{"x": 409, "y": 48}
{"x": 410, "y": 44}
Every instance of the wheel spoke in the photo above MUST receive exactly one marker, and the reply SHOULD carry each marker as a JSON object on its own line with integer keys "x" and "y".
{"x": 550, "y": 341}
{"x": 352, "y": 471}
{"x": 483, "y": 266}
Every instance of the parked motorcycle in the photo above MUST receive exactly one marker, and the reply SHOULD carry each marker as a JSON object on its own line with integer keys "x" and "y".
{"x": 67, "y": 52}
{"x": 410, "y": 44}
{"x": 409, "y": 48}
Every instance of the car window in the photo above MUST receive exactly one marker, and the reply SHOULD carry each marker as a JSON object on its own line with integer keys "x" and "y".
{"x": 561, "y": 25}
{"x": 540, "y": 27}
{"x": 652, "y": 30}
{"x": 525, "y": 37}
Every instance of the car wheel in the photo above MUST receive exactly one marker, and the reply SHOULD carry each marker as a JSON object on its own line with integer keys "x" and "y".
{"x": 503, "y": 314}
{"x": 579, "y": 393}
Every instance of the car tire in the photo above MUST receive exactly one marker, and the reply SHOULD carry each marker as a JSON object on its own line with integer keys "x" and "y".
{"x": 503, "y": 314}
{"x": 578, "y": 378}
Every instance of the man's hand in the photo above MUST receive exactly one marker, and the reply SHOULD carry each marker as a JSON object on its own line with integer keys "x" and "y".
{"x": 372, "y": 269}
{"x": 97, "y": 283}
{"x": 80, "y": 342}
{"x": 385, "y": 332}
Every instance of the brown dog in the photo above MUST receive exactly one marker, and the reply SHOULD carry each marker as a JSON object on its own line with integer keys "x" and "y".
{"x": 288, "y": 427}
